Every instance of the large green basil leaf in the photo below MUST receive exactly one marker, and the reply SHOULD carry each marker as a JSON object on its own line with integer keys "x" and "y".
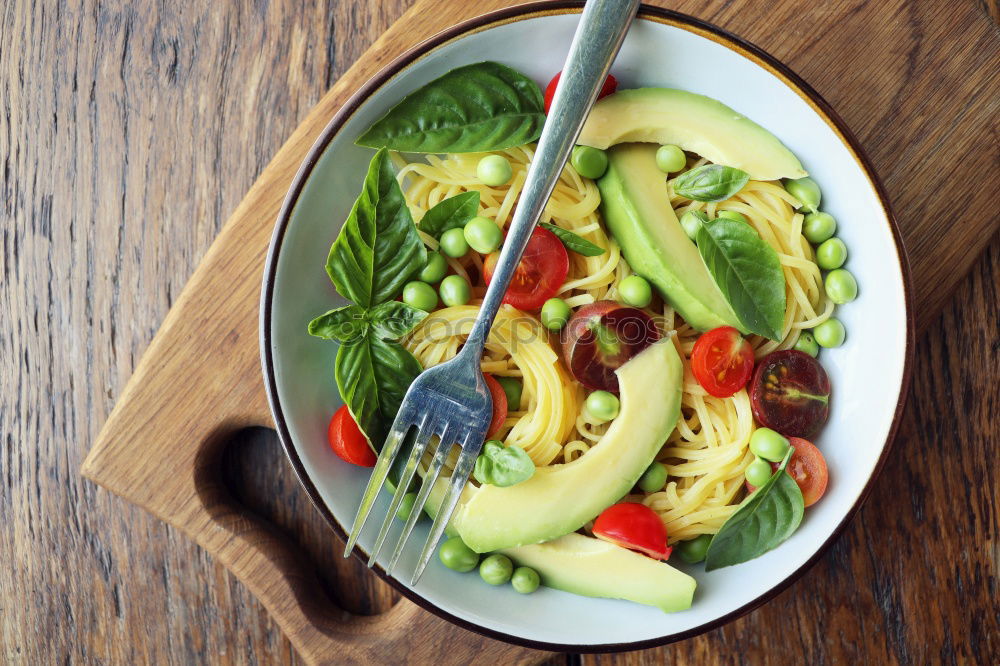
{"x": 573, "y": 241}
{"x": 392, "y": 320}
{"x": 451, "y": 213}
{"x": 503, "y": 466}
{"x": 378, "y": 249}
{"x": 373, "y": 375}
{"x": 471, "y": 109}
{"x": 345, "y": 324}
{"x": 710, "y": 182}
{"x": 748, "y": 272}
{"x": 765, "y": 519}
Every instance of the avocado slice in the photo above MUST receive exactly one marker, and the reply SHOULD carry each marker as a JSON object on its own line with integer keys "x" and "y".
{"x": 593, "y": 568}
{"x": 560, "y": 499}
{"x": 693, "y": 122}
{"x": 637, "y": 211}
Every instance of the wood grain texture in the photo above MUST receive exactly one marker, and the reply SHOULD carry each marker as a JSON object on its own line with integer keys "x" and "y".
{"x": 130, "y": 131}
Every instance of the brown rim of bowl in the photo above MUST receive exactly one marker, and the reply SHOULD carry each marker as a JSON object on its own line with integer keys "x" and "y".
{"x": 520, "y": 12}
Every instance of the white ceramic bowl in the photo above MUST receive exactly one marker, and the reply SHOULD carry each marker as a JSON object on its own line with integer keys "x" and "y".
{"x": 869, "y": 373}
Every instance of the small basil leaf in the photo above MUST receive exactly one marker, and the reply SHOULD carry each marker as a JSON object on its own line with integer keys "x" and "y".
{"x": 395, "y": 369}
{"x": 373, "y": 376}
{"x": 358, "y": 389}
{"x": 451, "y": 213}
{"x": 748, "y": 273}
{"x": 345, "y": 324}
{"x": 378, "y": 249}
{"x": 392, "y": 320}
{"x": 502, "y": 466}
{"x": 573, "y": 241}
{"x": 710, "y": 182}
{"x": 475, "y": 108}
{"x": 765, "y": 519}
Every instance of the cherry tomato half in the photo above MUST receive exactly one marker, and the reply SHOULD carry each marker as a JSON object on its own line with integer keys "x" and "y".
{"x": 790, "y": 393}
{"x": 542, "y": 271}
{"x": 610, "y": 85}
{"x": 808, "y": 467}
{"x": 722, "y": 361}
{"x": 634, "y": 526}
{"x": 499, "y": 405}
{"x": 347, "y": 441}
{"x": 601, "y": 337}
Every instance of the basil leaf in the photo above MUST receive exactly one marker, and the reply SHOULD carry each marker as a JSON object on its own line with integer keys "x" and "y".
{"x": 765, "y": 519}
{"x": 392, "y": 320}
{"x": 451, "y": 213}
{"x": 502, "y": 466}
{"x": 373, "y": 375}
{"x": 748, "y": 272}
{"x": 344, "y": 324}
{"x": 710, "y": 182}
{"x": 574, "y": 242}
{"x": 475, "y": 108}
{"x": 378, "y": 249}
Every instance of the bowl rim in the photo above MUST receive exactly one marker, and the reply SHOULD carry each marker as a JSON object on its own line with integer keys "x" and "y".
{"x": 531, "y": 10}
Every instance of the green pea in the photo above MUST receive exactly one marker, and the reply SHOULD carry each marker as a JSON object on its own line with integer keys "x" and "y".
{"x": 694, "y": 550}
{"x": 435, "y": 268}
{"x": 420, "y": 295}
{"x": 831, "y": 333}
{"x": 758, "y": 472}
{"x": 733, "y": 215}
{"x": 807, "y": 343}
{"x": 806, "y": 191}
{"x": 635, "y": 291}
{"x": 483, "y": 235}
{"x": 494, "y": 170}
{"x": 692, "y": 221}
{"x": 496, "y": 569}
{"x": 670, "y": 158}
{"x": 654, "y": 478}
{"x": 455, "y": 290}
{"x": 768, "y": 444}
{"x": 841, "y": 286}
{"x": 602, "y": 405}
{"x": 831, "y": 253}
{"x": 512, "y": 387}
{"x": 818, "y": 227}
{"x": 453, "y": 243}
{"x": 406, "y": 506}
{"x": 589, "y": 162}
{"x": 555, "y": 314}
{"x": 525, "y": 580}
{"x": 455, "y": 555}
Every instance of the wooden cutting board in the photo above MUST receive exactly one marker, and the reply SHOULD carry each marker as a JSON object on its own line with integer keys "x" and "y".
{"x": 925, "y": 108}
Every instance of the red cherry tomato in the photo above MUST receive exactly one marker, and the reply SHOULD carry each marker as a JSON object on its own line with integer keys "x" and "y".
{"x": 790, "y": 393}
{"x": 722, "y": 361}
{"x": 542, "y": 271}
{"x": 807, "y": 467}
{"x": 499, "y": 405}
{"x": 610, "y": 85}
{"x": 634, "y": 526}
{"x": 347, "y": 441}
{"x": 601, "y": 337}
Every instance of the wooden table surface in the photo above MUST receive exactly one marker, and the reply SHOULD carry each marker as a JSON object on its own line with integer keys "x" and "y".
{"x": 129, "y": 132}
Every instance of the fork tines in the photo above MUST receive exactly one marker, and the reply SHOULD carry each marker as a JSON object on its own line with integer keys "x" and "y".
{"x": 428, "y": 427}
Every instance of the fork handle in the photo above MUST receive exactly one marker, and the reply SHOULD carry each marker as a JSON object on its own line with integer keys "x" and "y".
{"x": 598, "y": 37}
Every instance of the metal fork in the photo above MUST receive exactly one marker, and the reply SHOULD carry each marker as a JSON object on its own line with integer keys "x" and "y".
{"x": 451, "y": 401}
